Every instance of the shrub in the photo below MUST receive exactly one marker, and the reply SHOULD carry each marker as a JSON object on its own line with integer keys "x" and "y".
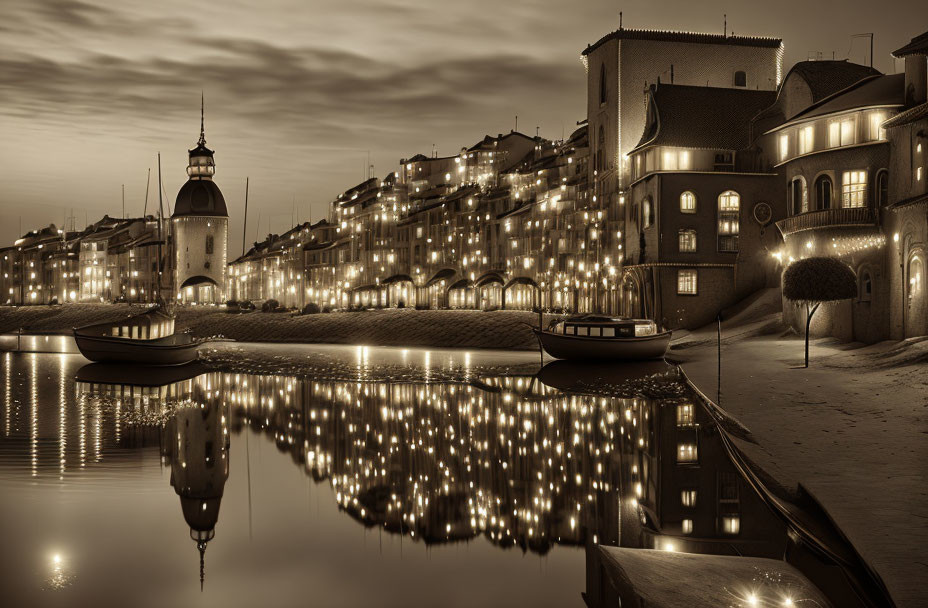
{"x": 246, "y": 305}
{"x": 326, "y": 308}
{"x": 311, "y": 309}
{"x": 231, "y": 303}
{"x": 53, "y": 301}
{"x": 401, "y": 304}
{"x": 815, "y": 280}
{"x": 270, "y": 305}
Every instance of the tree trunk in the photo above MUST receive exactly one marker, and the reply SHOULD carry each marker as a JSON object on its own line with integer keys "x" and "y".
{"x": 808, "y": 324}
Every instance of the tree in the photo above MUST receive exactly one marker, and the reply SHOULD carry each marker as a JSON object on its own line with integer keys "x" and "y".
{"x": 815, "y": 280}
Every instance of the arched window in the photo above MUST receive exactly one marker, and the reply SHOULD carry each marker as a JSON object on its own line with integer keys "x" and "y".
{"x": 797, "y": 199}
{"x": 647, "y": 213}
{"x": 687, "y": 202}
{"x": 601, "y": 143}
{"x": 741, "y": 79}
{"x": 915, "y": 277}
{"x": 865, "y": 285}
{"x": 882, "y": 188}
{"x": 602, "y": 83}
{"x": 824, "y": 191}
{"x": 729, "y": 220}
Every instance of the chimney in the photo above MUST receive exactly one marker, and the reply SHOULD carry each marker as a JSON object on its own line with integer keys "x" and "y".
{"x": 916, "y": 79}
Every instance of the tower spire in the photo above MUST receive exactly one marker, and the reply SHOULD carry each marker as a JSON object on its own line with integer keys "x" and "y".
{"x": 202, "y": 141}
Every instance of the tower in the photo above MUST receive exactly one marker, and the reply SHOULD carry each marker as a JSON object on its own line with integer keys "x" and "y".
{"x": 200, "y": 228}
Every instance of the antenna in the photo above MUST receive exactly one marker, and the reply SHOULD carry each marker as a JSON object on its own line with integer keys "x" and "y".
{"x": 725, "y": 25}
{"x": 147, "y": 184}
{"x": 620, "y": 19}
{"x": 864, "y": 35}
{"x": 202, "y": 130}
{"x": 123, "y": 201}
{"x": 517, "y": 123}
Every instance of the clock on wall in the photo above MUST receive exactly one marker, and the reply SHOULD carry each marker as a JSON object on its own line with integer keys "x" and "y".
{"x": 763, "y": 213}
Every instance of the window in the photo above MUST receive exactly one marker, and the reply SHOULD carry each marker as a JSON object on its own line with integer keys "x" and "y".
{"x": 915, "y": 277}
{"x": 688, "y": 498}
{"x": 602, "y": 83}
{"x": 806, "y": 139}
{"x": 882, "y": 188}
{"x": 797, "y": 199}
{"x": 842, "y": 132}
{"x": 876, "y": 131}
{"x": 865, "y": 285}
{"x": 741, "y": 79}
{"x": 729, "y": 220}
{"x": 686, "y": 452}
{"x": 918, "y": 174}
{"x": 731, "y": 524}
{"x": 784, "y": 146}
{"x": 686, "y": 526}
{"x": 209, "y": 244}
{"x": 686, "y": 282}
{"x": 647, "y": 213}
{"x": 854, "y": 189}
{"x": 685, "y": 415}
{"x": 600, "y": 157}
{"x": 687, "y": 240}
{"x": 823, "y": 192}
{"x": 669, "y": 160}
{"x": 687, "y": 202}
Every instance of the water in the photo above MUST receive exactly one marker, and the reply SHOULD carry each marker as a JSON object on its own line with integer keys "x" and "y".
{"x": 463, "y": 484}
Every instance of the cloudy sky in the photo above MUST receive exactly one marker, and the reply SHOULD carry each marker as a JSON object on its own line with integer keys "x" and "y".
{"x": 299, "y": 92}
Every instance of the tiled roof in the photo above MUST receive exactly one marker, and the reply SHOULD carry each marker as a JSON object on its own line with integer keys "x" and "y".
{"x": 692, "y": 37}
{"x": 873, "y": 91}
{"x": 917, "y": 46}
{"x": 911, "y": 115}
{"x": 827, "y": 77}
{"x": 703, "y": 117}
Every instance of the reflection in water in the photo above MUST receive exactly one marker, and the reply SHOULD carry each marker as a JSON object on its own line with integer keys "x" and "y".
{"x": 509, "y": 459}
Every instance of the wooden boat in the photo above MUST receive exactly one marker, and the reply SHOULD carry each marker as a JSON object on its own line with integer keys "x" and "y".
{"x": 594, "y": 337}
{"x": 147, "y": 338}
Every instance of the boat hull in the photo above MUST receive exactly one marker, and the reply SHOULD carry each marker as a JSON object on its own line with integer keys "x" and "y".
{"x": 176, "y": 351}
{"x": 584, "y": 348}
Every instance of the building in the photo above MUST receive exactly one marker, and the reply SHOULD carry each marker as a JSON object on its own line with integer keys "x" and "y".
{"x": 199, "y": 231}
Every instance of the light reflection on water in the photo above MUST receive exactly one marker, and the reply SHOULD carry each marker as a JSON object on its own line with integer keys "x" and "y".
{"x": 459, "y": 470}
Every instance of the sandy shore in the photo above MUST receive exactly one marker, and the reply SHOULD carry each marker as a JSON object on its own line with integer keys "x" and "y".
{"x": 853, "y": 429}
{"x": 411, "y": 328}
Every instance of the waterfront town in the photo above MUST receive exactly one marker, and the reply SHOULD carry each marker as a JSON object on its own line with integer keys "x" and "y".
{"x": 305, "y": 448}
{"x": 670, "y": 202}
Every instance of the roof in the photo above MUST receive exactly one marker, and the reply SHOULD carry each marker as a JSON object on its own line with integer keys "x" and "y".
{"x": 691, "y": 37}
{"x": 917, "y": 46}
{"x": 827, "y": 77}
{"x": 873, "y": 91}
{"x": 200, "y": 197}
{"x": 703, "y": 117}
{"x": 201, "y": 150}
{"x": 909, "y": 116}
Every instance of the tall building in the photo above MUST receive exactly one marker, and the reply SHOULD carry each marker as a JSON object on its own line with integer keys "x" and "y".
{"x": 200, "y": 230}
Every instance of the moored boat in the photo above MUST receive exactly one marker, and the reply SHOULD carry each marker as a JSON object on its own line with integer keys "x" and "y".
{"x": 594, "y": 337}
{"x": 147, "y": 338}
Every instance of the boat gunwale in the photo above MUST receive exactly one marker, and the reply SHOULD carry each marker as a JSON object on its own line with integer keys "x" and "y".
{"x": 608, "y": 338}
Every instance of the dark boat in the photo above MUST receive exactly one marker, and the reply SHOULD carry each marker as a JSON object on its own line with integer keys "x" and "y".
{"x": 594, "y": 337}
{"x": 147, "y": 338}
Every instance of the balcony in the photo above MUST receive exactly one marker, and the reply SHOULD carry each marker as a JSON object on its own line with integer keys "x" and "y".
{"x": 828, "y": 218}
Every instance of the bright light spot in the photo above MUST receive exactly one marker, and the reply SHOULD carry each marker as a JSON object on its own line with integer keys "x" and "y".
{"x": 57, "y": 559}
{"x": 788, "y": 601}
{"x": 752, "y": 600}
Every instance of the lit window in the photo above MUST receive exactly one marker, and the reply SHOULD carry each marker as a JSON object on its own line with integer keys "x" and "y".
{"x": 685, "y": 160}
{"x": 918, "y": 174}
{"x": 685, "y": 414}
{"x": 688, "y": 202}
{"x": 687, "y": 240}
{"x": 915, "y": 277}
{"x": 688, "y": 498}
{"x": 877, "y": 119}
{"x": 686, "y": 526}
{"x": 686, "y": 452}
{"x": 842, "y": 132}
{"x": 669, "y": 160}
{"x": 647, "y": 213}
{"x": 784, "y": 146}
{"x": 729, "y": 220}
{"x": 854, "y": 189}
{"x": 806, "y": 139}
{"x": 731, "y": 524}
{"x": 686, "y": 282}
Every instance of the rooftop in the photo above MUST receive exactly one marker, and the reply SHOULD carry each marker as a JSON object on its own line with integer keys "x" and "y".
{"x": 917, "y": 46}
{"x": 703, "y": 117}
{"x": 873, "y": 91}
{"x": 690, "y": 37}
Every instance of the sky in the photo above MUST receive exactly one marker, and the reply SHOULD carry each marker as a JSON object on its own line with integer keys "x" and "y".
{"x": 300, "y": 93}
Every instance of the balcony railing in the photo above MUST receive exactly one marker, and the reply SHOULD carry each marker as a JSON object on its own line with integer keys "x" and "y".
{"x": 826, "y": 218}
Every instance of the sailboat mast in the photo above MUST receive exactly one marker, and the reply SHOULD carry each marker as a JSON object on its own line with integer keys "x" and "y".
{"x": 160, "y": 231}
{"x": 245, "y": 226}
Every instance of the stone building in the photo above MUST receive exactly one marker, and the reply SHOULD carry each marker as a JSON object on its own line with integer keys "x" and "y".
{"x": 199, "y": 231}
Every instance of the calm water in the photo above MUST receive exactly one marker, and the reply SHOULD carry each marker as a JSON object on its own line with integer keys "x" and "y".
{"x": 460, "y": 485}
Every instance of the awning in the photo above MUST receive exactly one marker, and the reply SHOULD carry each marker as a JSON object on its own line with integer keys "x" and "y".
{"x": 487, "y": 278}
{"x": 444, "y": 273}
{"x": 397, "y": 278}
{"x": 521, "y": 281}
{"x": 197, "y": 280}
{"x": 462, "y": 284}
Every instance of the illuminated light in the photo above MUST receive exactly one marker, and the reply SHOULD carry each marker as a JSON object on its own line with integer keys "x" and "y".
{"x": 896, "y": 237}
{"x": 752, "y": 600}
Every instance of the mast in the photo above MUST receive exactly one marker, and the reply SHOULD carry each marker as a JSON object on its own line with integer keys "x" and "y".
{"x": 160, "y": 237}
{"x": 147, "y": 184}
{"x": 245, "y": 220}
